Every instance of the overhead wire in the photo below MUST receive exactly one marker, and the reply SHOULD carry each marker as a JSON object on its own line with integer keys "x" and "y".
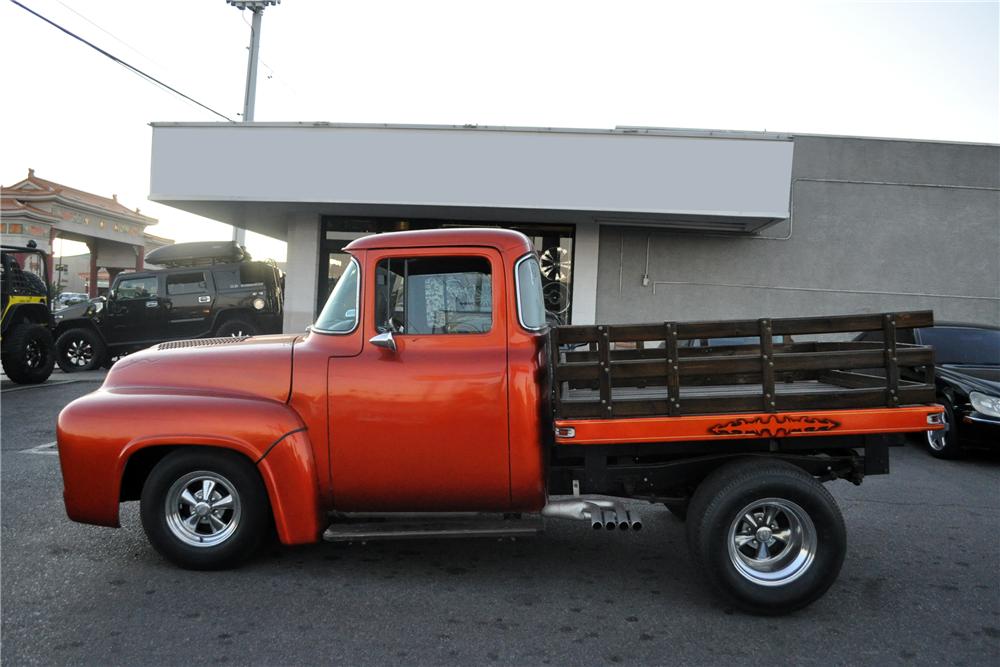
{"x": 123, "y": 63}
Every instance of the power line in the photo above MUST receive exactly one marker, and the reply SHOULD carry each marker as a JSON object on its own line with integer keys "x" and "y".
{"x": 121, "y": 62}
{"x": 112, "y": 35}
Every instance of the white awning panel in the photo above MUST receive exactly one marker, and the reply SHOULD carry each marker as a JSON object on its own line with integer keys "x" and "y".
{"x": 690, "y": 180}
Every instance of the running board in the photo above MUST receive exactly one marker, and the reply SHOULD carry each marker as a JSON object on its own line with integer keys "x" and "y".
{"x": 395, "y": 529}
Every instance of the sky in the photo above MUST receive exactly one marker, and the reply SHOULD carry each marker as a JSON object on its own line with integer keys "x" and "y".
{"x": 923, "y": 70}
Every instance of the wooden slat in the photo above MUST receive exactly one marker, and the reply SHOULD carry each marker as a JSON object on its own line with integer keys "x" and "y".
{"x": 767, "y": 365}
{"x": 891, "y": 361}
{"x": 577, "y": 334}
{"x": 604, "y": 351}
{"x": 673, "y": 367}
{"x": 852, "y": 380}
{"x": 578, "y": 371}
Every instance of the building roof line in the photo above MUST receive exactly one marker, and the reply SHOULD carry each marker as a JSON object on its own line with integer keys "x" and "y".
{"x": 753, "y": 135}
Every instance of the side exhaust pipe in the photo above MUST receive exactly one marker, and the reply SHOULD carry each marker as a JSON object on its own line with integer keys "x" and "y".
{"x": 602, "y": 514}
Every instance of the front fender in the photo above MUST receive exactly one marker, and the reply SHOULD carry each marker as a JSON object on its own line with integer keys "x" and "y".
{"x": 99, "y": 433}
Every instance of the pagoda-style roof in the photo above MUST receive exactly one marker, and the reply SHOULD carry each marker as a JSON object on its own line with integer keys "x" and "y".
{"x": 34, "y": 189}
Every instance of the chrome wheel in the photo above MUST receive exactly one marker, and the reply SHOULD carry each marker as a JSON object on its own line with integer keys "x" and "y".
{"x": 203, "y": 509}
{"x": 938, "y": 440}
{"x": 79, "y": 352}
{"x": 34, "y": 354}
{"x": 772, "y": 542}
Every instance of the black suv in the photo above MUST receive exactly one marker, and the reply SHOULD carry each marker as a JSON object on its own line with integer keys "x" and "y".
{"x": 208, "y": 289}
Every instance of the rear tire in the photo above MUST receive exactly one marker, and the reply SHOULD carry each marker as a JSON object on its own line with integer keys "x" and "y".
{"x": 80, "y": 350}
{"x": 28, "y": 354}
{"x": 198, "y": 531}
{"x": 767, "y": 536}
{"x": 236, "y": 328}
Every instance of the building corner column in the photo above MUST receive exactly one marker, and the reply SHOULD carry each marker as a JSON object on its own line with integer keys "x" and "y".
{"x": 92, "y": 283}
{"x": 585, "y": 251}
{"x": 302, "y": 277}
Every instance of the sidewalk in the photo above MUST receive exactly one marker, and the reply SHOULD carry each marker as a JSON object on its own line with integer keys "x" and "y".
{"x": 57, "y": 377}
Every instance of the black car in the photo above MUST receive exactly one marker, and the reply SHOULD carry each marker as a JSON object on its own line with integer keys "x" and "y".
{"x": 195, "y": 297}
{"x": 967, "y": 374}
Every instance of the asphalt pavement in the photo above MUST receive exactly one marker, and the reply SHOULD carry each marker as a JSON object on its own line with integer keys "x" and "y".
{"x": 921, "y": 584}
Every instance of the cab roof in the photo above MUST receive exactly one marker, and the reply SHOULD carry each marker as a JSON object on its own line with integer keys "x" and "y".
{"x": 501, "y": 239}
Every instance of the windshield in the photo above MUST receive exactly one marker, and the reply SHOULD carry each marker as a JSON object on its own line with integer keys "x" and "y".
{"x": 340, "y": 314}
{"x": 963, "y": 345}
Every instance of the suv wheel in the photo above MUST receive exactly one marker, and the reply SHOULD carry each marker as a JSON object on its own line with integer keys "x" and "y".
{"x": 236, "y": 328}
{"x": 80, "y": 350}
{"x": 28, "y": 353}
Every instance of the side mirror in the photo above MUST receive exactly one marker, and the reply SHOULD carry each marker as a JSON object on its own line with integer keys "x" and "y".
{"x": 384, "y": 340}
{"x": 111, "y": 295}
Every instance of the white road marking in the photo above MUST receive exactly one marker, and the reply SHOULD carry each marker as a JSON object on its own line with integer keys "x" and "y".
{"x": 48, "y": 448}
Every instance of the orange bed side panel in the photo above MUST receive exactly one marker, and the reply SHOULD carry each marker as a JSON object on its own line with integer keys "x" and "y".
{"x": 745, "y": 426}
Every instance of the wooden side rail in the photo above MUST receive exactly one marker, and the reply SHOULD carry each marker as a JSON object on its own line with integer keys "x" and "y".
{"x": 790, "y": 376}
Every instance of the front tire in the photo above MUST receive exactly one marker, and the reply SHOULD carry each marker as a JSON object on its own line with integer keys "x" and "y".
{"x": 28, "y": 354}
{"x": 80, "y": 350}
{"x": 767, "y": 536}
{"x": 205, "y": 509}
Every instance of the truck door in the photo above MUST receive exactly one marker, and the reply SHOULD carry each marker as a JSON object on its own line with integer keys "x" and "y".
{"x": 187, "y": 305}
{"x": 135, "y": 314}
{"x": 424, "y": 426}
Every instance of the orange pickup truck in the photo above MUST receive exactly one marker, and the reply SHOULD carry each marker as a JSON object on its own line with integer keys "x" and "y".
{"x": 431, "y": 399}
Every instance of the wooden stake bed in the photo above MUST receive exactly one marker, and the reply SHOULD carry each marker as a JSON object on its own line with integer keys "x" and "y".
{"x": 616, "y": 372}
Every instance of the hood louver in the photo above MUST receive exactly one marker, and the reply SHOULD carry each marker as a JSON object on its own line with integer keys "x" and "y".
{"x": 201, "y": 342}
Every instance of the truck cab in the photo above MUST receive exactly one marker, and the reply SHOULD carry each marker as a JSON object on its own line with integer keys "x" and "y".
{"x": 431, "y": 386}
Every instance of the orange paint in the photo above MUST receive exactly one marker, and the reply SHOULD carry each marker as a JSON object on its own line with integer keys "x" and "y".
{"x": 755, "y": 425}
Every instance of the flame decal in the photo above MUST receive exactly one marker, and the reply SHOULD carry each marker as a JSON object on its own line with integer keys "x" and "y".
{"x": 774, "y": 426}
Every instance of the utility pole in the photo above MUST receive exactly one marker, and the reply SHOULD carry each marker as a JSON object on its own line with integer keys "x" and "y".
{"x": 256, "y": 7}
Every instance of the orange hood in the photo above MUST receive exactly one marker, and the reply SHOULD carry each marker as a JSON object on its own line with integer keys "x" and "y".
{"x": 260, "y": 366}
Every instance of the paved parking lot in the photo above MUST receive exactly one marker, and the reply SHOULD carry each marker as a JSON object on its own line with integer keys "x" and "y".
{"x": 921, "y": 584}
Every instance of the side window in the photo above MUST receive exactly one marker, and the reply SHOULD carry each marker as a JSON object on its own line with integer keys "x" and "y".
{"x": 186, "y": 283}
{"x": 434, "y": 295}
{"x": 137, "y": 288}
{"x": 227, "y": 278}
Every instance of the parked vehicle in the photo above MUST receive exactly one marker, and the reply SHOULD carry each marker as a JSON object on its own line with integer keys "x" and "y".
{"x": 430, "y": 383}
{"x": 26, "y": 347}
{"x": 65, "y": 299}
{"x": 967, "y": 378}
{"x": 195, "y": 297}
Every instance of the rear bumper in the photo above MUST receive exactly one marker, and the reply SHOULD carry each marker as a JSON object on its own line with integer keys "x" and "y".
{"x": 748, "y": 426}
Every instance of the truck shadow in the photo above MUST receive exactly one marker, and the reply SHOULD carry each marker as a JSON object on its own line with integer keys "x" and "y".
{"x": 569, "y": 557}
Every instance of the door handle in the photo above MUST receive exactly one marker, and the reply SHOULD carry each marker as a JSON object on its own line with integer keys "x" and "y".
{"x": 204, "y": 299}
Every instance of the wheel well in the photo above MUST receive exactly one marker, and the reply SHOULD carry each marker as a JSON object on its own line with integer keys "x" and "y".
{"x": 141, "y": 463}
{"x": 37, "y": 313}
{"x": 65, "y": 326}
{"x": 233, "y": 314}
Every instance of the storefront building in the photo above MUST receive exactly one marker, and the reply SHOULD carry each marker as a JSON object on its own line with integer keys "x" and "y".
{"x": 632, "y": 224}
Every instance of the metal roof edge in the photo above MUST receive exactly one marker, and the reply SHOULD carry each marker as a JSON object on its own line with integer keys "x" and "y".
{"x": 617, "y": 130}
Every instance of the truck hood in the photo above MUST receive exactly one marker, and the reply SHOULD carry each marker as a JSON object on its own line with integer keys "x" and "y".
{"x": 260, "y": 366}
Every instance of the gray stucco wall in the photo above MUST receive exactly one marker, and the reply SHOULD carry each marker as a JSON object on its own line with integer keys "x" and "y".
{"x": 853, "y": 247}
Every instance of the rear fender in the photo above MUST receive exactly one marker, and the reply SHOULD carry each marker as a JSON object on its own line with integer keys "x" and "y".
{"x": 99, "y": 433}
